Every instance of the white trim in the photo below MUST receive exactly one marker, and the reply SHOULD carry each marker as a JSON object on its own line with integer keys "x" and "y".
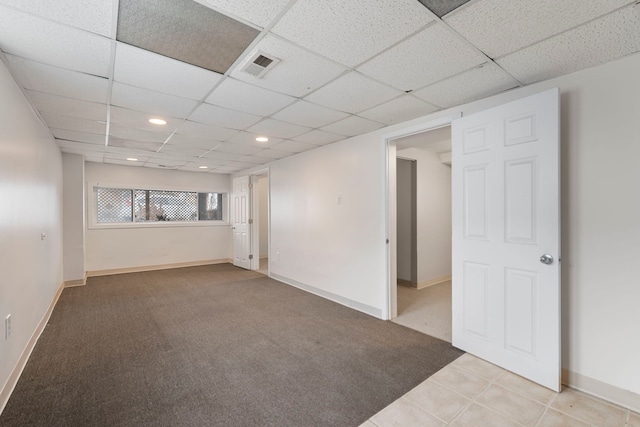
{"x": 608, "y": 392}
{"x": 390, "y": 297}
{"x": 11, "y": 382}
{"x": 425, "y": 283}
{"x": 141, "y": 268}
{"x": 76, "y": 282}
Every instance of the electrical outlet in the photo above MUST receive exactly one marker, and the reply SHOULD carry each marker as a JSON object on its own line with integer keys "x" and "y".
{"x": 7, "y": 327}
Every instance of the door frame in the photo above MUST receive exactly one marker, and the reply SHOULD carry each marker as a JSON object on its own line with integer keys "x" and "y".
{"x": 255, "y": 213}
{"x": 390, "y": 296}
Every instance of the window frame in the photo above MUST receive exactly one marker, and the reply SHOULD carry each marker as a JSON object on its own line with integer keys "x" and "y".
{"x": 92, "y": 208}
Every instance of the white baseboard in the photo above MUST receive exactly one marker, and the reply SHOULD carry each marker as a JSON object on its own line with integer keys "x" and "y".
{"x": 95, "y": 273}
{"x": 76, "y": 282}
{"x": 10, "y": 385}
{"x": 426, "y": 283}
{"x": 608, "y": 392}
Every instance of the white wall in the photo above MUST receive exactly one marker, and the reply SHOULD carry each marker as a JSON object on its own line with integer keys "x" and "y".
{"x": 30, "y": 204}
{"x": 340, "y": 249}
{"x": 263, "y": 215}
{"x": 433, "y": 214}
{"x": 115, "y": 248}
{"x": 406, "y": 221}
{"x": 73, "y": 217}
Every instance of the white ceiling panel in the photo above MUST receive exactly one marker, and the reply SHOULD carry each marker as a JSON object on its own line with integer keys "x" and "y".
{"x": 141, "y": 68}
{"x": 73, "y": 123}
{"x": 124, "y": 132}
{"x": 192, "y": 142}
{"x": 164, "y": 164}
{"x": 180, "y": 150}
{"x": 276, "y": 128}
{"x": 91, "y": 15}
{"x": 144, "y": 146}
{"x": 353, "y": 93}
{"x": 250, "y": 139}
{"x": 55, "y": 44}
{"x": 136, "y": 98}
{"x": 140, "y": 120}
{"x": 329, "y": 28}
{"x": 352, "y": 126}
{"x": 56, "y": 81}
{"x": 120, "y": 161}
{"x": 195, "y": 167}
{"x": 84, "y": 137}
{"x": 258, "y": 12}
{"x": 68, "y": 106}
{"x": 318, "y": 137}
{"x": 308, "y": 114}
{"x": 431, "y": 55}
{"x": 289, "y": 146}
{"x": 244, "y": 149}
{"x": 200, "y": 130}
{"x": 597, "y": 42}
{"x": 298, "y": 73}
{"x": 499, "y": 27}
{"x": 220, "y": 155}
{"x": 272, "y": 154}
{"x": 399, "y": 110}
{"x": 236, "y": 95}
{"x": 471, "y": 85}
{"x": 255, "y": 160}
{"x": 221, "y": 117}
{"x": 87, "y": 148}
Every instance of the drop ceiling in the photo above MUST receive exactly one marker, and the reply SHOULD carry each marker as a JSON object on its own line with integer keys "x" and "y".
{"x": 97, "y": 70}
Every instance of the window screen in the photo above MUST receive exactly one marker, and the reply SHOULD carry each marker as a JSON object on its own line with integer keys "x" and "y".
{"x": 153, "y": 205}
{"x": 114, "y": 205}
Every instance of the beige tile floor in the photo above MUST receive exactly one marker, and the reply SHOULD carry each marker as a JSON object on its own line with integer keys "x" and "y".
{"x": 474, "y": 393}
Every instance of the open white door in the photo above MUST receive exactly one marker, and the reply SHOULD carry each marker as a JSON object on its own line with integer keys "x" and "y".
{"x": 506, "y": 236}
{"x": 240, "y": 222}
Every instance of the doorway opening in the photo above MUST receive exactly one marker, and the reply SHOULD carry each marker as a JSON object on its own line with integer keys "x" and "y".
{"x": 260, "y": 221}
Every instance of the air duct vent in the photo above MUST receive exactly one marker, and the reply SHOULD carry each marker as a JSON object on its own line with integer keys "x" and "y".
{"x": 259, "y": 64}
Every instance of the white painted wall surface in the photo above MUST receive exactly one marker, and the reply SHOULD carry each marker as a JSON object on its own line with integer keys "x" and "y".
{"x": 340, "y": 248}
{"x": 406, "y": 247}
{"x": 263, "y": 220}
{"x": 73, "y": 216}
{"x": 433, "y": 214}
{"x": 115, "y": 248}
{"x": 30, "y": 204}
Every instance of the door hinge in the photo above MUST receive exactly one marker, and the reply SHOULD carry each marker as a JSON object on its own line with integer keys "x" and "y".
{"x": 250, "y": 256}
{"x": 250, "y": 221}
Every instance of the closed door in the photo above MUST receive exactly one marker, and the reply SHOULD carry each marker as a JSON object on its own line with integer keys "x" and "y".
{"x": 240, "y": 222}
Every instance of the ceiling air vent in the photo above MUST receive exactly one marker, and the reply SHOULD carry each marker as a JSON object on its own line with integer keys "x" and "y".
{"x": 259, "y": 64}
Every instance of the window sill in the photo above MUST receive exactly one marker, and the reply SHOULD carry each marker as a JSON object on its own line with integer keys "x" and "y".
{"x": 164, "y": 224}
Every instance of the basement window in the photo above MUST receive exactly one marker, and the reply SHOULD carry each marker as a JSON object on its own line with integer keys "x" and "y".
{"x": 128, "y": 206}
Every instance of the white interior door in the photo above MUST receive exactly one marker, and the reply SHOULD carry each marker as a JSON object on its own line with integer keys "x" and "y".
{"x": 240, "y": 222}
{"x": 506, "y": 236}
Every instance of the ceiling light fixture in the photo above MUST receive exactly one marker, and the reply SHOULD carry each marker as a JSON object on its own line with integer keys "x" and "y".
{"x": 262, "y": 139}
{"x": 132, "y": 159}
{"x": 203, "y": 167}
{"x": 158, "y": 122}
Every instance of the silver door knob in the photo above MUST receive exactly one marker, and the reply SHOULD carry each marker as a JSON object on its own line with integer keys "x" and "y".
{"x": 546, "y": 259}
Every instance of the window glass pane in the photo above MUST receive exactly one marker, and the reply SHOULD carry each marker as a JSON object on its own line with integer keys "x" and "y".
{"x": 141, "y": 205}
{"x": 153, "y": 205}
{"x": 114, "y": 205}
{"x": 210, "y": 206}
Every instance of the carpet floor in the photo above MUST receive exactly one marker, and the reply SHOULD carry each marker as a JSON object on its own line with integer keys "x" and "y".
{"x": 214, "y": 346}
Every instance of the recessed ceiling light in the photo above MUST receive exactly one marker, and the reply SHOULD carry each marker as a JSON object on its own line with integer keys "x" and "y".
{"x": 132, "y": 159}
{"x": 158, "y": 121}
{"x": 262, "y": 139}
{"x": 203, "y": 167}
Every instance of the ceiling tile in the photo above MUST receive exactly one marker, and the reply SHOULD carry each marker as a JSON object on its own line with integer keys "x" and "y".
{"x": 258, "y": 12}
{"x": 318, "y": 137}
{"x": 431, "y": 55}
{"x": 85, "y": 137}
{"x": 597, "y": 42}
{"x": 478, "y": 83}
{"x": 329, "y": 28}
{"x": 192, "y": 142}
{"x": 353, "y": 93}
{"x": 293, "y": 146}
{"x": 255, "y": 160}
{"x": 442, "y": 7}
{"x": 91, "y": 15}
{"x": 141, "y": 68}
{"x": 146, "y": 146}
{"x": 308, "y": 114}
{"x": 399, "y": 110}
{"x": 238, "y": 148}
{"x": 298, "y": 72}
{"x": 272, "y": 154}
{"x": 250, "y": 139}
{"x": 124, "y": 132}
{"x": 236, "y": 95}
{"x": 218, "y": 116}
{"x": 87, "y": 148}
{"x": 276, "y": 128}
{"x": 56, "y": 81}
{"x": 68, "y": 106}
{"x": 183, "y": 151}
{"x": 140, "y": 120}
{"x": 72, "y": 123}
{"x": 54, "y": 44}
{"x": 525, "y": 22}
{"x": 136, "y": 98}
{"x": 352, "y": 126}
{"x": 164, "y": 164}
{"x": 195, "y": 167}
{"x": 219, "y": 155}
{"x": 125, "y": 162}
{"x": 123, "y": 157}
{"x": 200, "y": 130}
{"x": 184, "y": 30}
{"x": 228, "y": 169}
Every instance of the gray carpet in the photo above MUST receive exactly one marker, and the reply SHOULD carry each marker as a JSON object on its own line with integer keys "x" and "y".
{"x": 214, "y": 346}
